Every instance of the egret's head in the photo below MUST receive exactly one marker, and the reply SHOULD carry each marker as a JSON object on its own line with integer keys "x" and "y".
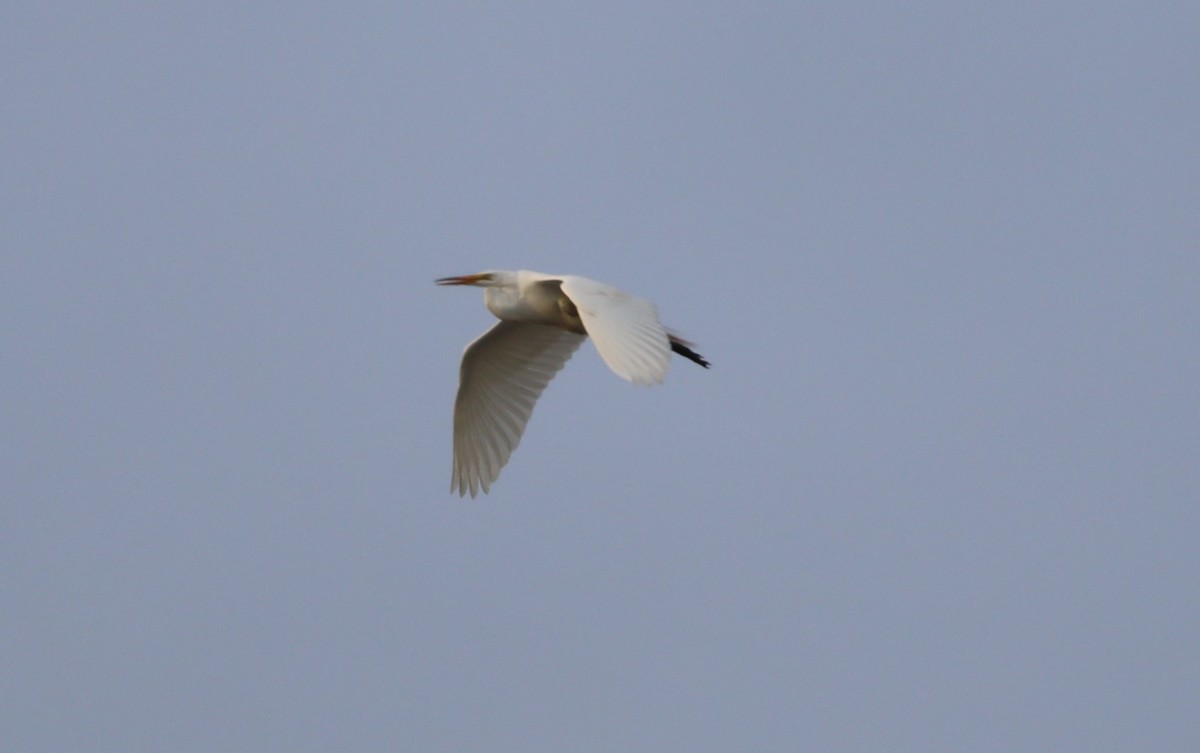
{"x": 481, "y": 280}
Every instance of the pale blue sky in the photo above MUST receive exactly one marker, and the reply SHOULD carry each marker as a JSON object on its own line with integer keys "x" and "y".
{"x": 938, "y": 491}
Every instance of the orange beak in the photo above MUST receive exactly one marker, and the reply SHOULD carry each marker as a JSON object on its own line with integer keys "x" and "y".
{"x": 462, "y": 280}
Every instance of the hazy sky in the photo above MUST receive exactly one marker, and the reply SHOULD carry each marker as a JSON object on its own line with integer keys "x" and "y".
{"x": 937, "y": 493}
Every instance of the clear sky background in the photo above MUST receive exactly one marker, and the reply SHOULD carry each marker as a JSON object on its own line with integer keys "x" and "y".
{"x": 937, "y": 493}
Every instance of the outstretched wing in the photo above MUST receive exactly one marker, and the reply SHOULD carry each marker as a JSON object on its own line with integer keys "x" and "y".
{"x": 502, "y": 375}
{"x": 624, "y": 328}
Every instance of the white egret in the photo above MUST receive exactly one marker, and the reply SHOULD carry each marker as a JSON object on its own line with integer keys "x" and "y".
{"x": 543, "y": 320}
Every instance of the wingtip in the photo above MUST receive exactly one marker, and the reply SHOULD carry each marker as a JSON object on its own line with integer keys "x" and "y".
{"x": 640, "y": 376}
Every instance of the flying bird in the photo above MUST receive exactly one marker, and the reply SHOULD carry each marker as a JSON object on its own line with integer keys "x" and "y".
{"x": 543, "y": 320}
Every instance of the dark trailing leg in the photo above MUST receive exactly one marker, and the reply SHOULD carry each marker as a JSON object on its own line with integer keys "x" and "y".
{"x": 684, "y": 348}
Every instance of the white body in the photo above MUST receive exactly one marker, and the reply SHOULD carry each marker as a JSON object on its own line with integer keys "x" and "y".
{"x": 543, "y": 320}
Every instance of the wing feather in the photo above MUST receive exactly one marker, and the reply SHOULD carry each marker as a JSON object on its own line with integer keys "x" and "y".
{"x": 503, "y": 373}
{"x": 625, "y": 329}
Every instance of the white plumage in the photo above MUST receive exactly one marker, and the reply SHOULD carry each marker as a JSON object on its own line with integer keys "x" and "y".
{"x": 543, "y": 320}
